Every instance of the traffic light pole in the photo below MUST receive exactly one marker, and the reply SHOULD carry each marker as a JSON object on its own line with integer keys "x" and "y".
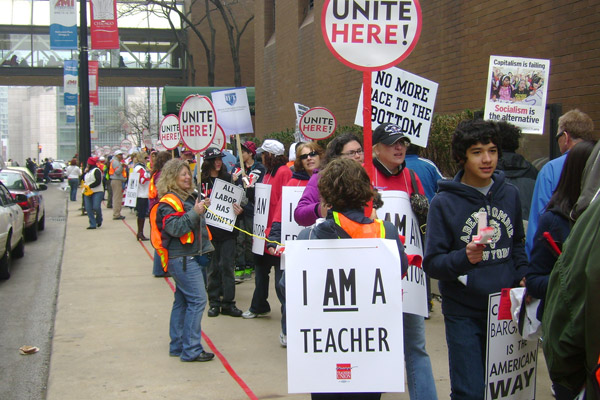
{"x": 84, "y": 87}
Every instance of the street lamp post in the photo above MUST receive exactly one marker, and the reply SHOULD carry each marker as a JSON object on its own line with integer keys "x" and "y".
{"x": 84, "y": 86}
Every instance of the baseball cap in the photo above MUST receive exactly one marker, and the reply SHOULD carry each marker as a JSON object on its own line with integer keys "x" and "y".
{"x": 91, "y": 161}
{"x": 213, "y": 152}
{"x": 388, "y": 133}
{"x": 250, "y": 146}
{"x": 273, "y": 146}
{"x": 118, "y": 152}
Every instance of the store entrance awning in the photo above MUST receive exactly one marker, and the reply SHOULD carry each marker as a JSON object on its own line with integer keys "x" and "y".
{"x": 173, "y": 96}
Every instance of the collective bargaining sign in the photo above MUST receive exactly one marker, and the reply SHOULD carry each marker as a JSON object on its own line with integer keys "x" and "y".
{"x": 511, "y": 361}
{"x": 371, "y": 34}
{"x": 403, "y": 99}
{"x": 342, "y": 296}
{"x": 197, "y": 122}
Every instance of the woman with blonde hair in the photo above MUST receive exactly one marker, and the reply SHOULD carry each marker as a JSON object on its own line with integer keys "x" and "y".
{"x": 179, "y": 227}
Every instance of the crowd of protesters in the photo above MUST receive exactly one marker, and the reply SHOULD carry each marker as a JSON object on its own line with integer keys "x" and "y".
{"x": 545, "y": 227}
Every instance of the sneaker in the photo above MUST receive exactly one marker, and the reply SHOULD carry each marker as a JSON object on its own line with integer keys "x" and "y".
{"x": 213, "y": 312}
{"x": 119, "y": 217}
{"x": 202, "y": 357}
{"x": 91, "y": 227}
{"x": 283, "y": 339}
{"x": 249, "y": 314}
{"x": 232, "y": 311}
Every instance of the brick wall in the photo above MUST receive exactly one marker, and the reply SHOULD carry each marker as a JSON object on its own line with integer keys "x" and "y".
{"x": 224, "y": 72}
{"x": 457, "y": 39}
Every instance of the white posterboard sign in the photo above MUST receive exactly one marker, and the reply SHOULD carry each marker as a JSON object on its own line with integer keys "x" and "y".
{"x": 131, "y": 190}
{"x": 169, "y": 131}
{"x": 290, "y": 196}
{"x": 222, "y": 197}
{"x": 368, "y": 39}
{"x": 516, "y": 92}
{"x": 401, "y": 98}
{"x": 300, "y": 109}
{"x": 197, "y": 122}
{"x": 233, "y": 110}
{"x": 341, "y": 299}
{"x": 318, "y": 123}
{"x": 262, "y": 196}
{"x": 511, "y": 362}
{"x": 396, "y": 209}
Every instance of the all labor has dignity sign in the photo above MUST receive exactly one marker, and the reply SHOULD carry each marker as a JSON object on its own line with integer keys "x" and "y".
{"x": 344, "y": 316}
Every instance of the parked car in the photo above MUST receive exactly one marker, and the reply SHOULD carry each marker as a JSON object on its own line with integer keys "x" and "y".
{"x": 12, "y": 243}
{"x": 58, "y": 172}
{"x": 26, "y": 170}
{"x": 19, "y": 182}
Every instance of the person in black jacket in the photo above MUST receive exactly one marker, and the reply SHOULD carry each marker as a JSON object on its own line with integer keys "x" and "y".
{"x": 517, "y": 169}
{"x": 221, "y": 274}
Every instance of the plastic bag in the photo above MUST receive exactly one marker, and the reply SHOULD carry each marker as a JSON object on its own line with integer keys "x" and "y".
{"x": 524, "y": 315}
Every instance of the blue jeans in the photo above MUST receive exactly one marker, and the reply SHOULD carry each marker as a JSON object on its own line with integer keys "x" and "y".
{"x": 421, "y": 385}
{"x": 262, "y": 270}
{"x": 188, "y": 307}
{"x": 93, "y": 207}
{"x": 466, "y": 339}
{"x": 73, "y": 184}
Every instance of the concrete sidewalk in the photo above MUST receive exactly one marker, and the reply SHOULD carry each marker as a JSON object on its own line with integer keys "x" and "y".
{"x": 111, "y": 332}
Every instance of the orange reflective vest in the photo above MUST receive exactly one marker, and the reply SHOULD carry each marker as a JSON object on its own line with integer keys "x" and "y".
{"x": 155, "y": 234}
{"x": 360, "y": 231}
{"x": 111, "y": 171}
{"x": 152, "y": 191}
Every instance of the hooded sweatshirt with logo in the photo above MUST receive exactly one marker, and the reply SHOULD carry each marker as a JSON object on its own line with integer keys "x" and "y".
{"x": 452, "y": 223}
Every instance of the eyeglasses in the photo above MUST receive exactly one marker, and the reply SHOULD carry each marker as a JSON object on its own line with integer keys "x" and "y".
{"x": 312, "y": 154}
{"x": 560, "y": 134}
{"x": 352, "y": 153}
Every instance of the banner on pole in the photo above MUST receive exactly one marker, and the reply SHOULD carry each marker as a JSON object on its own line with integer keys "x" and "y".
{"x": 103, "y": 27}
{"x": 344, "y": 308}
{"x": 70, "y": 89}
{"x": 63, "y": 25}
{"x": 93, "y": 81}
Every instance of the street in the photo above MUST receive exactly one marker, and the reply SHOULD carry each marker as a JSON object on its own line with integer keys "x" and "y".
{"x": 28, "y": 308}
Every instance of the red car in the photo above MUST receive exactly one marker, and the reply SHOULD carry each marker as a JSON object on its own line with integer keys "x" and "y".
{"x": 58, "y": 172}
{"x": 19, "y": 182}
